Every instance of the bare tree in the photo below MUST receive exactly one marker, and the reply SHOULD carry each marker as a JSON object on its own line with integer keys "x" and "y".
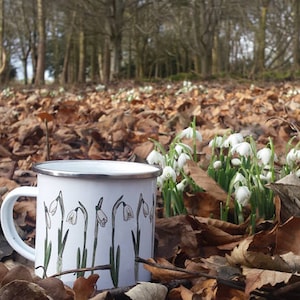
{"x": 40, "y": 68}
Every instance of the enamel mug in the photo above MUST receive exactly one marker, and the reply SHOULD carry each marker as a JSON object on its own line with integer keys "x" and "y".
{"x": 92, "y": 216}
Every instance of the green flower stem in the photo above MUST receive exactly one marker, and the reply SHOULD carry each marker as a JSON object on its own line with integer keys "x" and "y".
{"x": 115, "y": 254}
{"x": 83, "y": 259}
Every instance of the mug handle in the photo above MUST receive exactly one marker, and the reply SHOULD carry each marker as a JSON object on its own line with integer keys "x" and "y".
{"x": 7, "y": 221}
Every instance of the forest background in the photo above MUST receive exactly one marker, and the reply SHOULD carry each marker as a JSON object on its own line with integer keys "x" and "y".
{"x": 102, "y": 40}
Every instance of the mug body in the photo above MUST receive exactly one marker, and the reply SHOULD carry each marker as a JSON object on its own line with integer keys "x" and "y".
{"x": 95, "y": 217}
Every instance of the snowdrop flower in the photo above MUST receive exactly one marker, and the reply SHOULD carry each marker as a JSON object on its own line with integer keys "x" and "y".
{"x": 217, "y": 165}
{"x": 242, "y": 195}
{"x": 168, "y": 173}
{"x": 183, "y": 157}
{"x": 236, "y": 162}
{"x": 155, "y": 158}
{"x": 189, "y": 134}
{"x": 293, "y": 157}
{"x": 298, "y": 173}
{"x": 239, "y": 179}
{"x": 264, "y": 155}
{"x": 267, "y": 177}
{"x": 217, "y": 142}
{"x": 233, "y": 140}
{"x": 159, "y": 182}
{"x": 181, "y": 147}
{"x": 181, "y": 185}
{"x": 243, "y": 149}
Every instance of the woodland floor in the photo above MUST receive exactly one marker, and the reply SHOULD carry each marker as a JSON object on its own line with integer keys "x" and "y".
{"x": 116, "y": 123}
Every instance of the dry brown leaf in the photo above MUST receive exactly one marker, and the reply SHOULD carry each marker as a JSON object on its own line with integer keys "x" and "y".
{"x": 288, "y": 189}
{"x": 240, "y": 255}
{"x": 288, "y": 232}
{"x": 208, "y": 234}
{"x": 207, "y": 289}
{"x": 55, "y": 288}
{"x": 84, "y": 288}
{"x": 147, "y": 291}
{"x": 164, "y": 271}
{"x": 203, "y": 180}
{"x": 174, "y": 233}
{"x": 22, "y": 289}
{"x": 257, "y": 278}
{"x": 18, "y": 272}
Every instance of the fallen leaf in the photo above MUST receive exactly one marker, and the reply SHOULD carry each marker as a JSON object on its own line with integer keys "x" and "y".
{"x": 147, "y": 291}
{"x": 55, "y": 288}
{"x": 257, "y": 278}
{"x": 84, "y": 288}
{"x": 22, "y": 289}
{"x": 163, "y": 271}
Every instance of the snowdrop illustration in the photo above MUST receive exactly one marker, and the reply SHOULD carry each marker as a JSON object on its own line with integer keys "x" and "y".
{"x": 100, "y": 219}
{"x": 47, "y": 244}
{"x": 136, "y": 236}
{"x": 62, "y": 237}
{"x": 114, "y": 252}
{"x": 72, "y": 218}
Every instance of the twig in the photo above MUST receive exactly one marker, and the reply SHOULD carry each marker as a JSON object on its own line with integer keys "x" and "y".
{"x": 235, "y": 284}
{"x": 102, "y": 267}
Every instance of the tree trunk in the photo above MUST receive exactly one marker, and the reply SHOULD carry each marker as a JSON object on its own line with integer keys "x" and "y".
{"x": 40, "y": 69}
{"x": 81, "y": 65}
{"x": 261, "y": 38}
{"x": 296, "y": 46}
{"x": 2, "y": 53}
{"x": 64, "y": 76}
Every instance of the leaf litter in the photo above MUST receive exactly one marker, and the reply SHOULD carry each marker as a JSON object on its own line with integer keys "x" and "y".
{"x": 197, "y": 256}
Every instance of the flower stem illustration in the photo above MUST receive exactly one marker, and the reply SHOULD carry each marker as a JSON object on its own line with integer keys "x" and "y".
{"x": 100, "y": 219}
{"x": 61, "y": 238}
{"x": 114, "y": 252}
{"x": 72, "y": 219}
{"x": 136, "y": 236}
{"x": 47, "y": 244}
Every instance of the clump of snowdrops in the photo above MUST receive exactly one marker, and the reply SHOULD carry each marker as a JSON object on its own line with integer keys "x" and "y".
{"x": 173, "y": 180}
{"x": 236, "y": 164}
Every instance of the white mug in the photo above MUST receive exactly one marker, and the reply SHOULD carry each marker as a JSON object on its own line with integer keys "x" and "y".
{"x": 91, "y": 217}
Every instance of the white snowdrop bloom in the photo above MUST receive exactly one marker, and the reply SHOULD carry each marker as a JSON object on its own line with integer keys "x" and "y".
{"x": 168, "y": 173}
{"x": 243, "y": 149}
{"x": 298, "y": 173}
{"x": 266, "y": 177}
{"x": 242, "y": 195}
{"x": 155, "y": 158}
{"x": 159, "y": 182}
{"x": 236, "y": 162}
{"x": 293, "y": 157}
{"x": 264, "y": 155}
{"x": 233, "y": 140}
{"x": 217, "y": 165}
{"x": 189, "y": 134}
{"x": 183, "y": 157}
{"x": 181, "y": 185}
{"x": 239, "y": 179}
{"x": 216, "y": 142}
{"x": 181, "y": 147}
